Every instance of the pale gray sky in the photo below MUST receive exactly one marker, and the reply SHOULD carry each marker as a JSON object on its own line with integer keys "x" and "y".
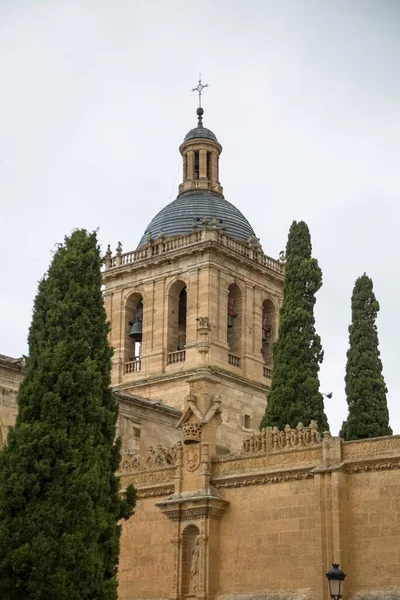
{"x": 304, "y": 96}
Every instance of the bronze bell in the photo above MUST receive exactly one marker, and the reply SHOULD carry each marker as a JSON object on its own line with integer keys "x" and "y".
{"x": 136, "y": 331}
{"x": 231, "y": 320}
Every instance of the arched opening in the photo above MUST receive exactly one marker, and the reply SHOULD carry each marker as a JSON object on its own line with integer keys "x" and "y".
{"x": 234, "y": 328}
{"x": 177, "y": 309}
{"x": 190, "y": 561}
{"x": 268, "y": 330}
{"x": 133, "y": 332}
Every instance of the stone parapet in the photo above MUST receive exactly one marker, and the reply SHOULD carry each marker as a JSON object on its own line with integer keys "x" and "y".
{"x": 163, "y": 247}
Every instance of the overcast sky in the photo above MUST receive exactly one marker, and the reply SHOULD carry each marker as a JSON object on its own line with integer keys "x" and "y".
{"x": 304, "y": 96}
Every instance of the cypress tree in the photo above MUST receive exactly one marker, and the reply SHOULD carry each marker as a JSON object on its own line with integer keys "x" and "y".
{"x": 294, "y": 396}
{"x": 59, "y": 494}
{"x": 365, "y": 386}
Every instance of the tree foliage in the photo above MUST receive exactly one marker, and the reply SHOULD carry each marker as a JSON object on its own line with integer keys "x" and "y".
{"x": 294, "y": 396}
{"x": 365, "y": 386}
{"x": 59, "y": 495}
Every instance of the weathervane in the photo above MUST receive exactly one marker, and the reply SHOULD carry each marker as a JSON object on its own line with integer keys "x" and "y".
{"x": 200, "y": 87}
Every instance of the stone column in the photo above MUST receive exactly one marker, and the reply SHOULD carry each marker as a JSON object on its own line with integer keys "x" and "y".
{"x": 190, "y": 165}
{"x": 184, "y": 176}
{"x": 203, "y": 164}
{"x": 214, "y": 168}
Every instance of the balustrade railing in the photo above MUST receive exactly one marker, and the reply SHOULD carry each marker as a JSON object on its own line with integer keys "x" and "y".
{"x": 234, "y": 360}
{"x": 267, "y": 372}
{"x": 207, "y": 231}
{"x": 272, "y": 439}
{"x": 176, "y": 357}
{"x": 133, "y": 366}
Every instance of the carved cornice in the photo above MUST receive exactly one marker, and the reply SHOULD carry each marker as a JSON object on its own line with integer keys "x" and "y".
{"x": 194, "y": 506}
{"x": 216, "y": 371}
{"x": 155, "y": 492}
{"x": 262, "y": 478}
{"x": 223, "y": 245}
{"x": 376, "y": 464}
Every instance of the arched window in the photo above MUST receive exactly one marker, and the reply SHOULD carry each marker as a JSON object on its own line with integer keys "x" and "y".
{"x": 268, "y": 330}
{"x": 177, "y": 308}
{"x": 190, "y": 560}
{"x": 234, "y": 329}
{"x": 134, "y": 330}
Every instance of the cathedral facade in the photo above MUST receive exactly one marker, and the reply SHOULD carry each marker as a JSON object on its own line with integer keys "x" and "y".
{"x": 226, "y": 511}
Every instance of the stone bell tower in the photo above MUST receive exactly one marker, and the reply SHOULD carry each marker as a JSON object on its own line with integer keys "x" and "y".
{"x": 197, "y": 295}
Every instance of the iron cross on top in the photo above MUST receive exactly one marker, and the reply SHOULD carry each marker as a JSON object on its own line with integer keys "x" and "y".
{"x": 200, "y": 87}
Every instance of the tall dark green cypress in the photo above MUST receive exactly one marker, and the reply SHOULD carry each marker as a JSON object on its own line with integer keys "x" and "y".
{"x": 365, "y": 386}
{"x": 294, "y": 396}
{"x": 59, "y": 494}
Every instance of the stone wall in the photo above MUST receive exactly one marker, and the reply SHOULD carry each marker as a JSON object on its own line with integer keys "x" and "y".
{"x": 11, "y": 374}
{"x": 295, "y": 503}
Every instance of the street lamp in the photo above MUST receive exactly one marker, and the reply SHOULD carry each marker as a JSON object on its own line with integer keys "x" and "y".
{"x": 336, "y": 579}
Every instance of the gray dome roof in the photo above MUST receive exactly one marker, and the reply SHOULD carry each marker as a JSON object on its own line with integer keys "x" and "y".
{"x": 200, "y": 132}
{"x": 177, "y": 217}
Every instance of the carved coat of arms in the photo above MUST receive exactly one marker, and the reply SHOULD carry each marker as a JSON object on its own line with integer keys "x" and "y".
{"x": 191, "y": 456}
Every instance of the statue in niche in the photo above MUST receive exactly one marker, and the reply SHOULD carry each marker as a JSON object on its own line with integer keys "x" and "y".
{"x": 194, "y": 561}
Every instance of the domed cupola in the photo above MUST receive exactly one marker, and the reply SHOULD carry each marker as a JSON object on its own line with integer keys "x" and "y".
{"x": 200, "y": 152}
{"x": 200, "y": 202}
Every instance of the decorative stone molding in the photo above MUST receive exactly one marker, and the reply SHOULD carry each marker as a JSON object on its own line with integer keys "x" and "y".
{"x": 244, "y": 480}
{"x": 373, "y": 465}
{"x": 193, "y": 506}
{"x": 163, "y": 248}
{"x": 157, "y": 458}
{"x": 149, "y": 478}
{"x": 130, "y": 462}
{"x": 192, "y": 432}
{"x": 270, "y": 440}
{"x": 155, "y": 493}
{"x": 364, "y": 448}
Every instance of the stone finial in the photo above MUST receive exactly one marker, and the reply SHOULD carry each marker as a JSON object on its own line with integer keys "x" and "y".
{"x": 108, "y": 257}
{"x": 282, "y": 257}
{"x": 119, "y": 254}
{"x": 195, "y": 225}
{"x": 214, "y": 223}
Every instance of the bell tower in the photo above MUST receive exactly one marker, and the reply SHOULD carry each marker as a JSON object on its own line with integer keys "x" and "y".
{"x": 197, "y": 302}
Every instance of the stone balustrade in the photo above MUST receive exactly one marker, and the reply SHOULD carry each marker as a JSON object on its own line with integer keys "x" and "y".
{"x": 272, "y": 439}
{"x": 267, "y": 372}
{"x": 234, "y": 360}
{"x": 209, "y": 232}
{"x": 133, "y": 366}
{"x": 176, "y": 357}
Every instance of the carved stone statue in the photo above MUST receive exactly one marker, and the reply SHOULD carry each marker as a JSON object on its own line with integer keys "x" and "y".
{"x": 195, "y": 559}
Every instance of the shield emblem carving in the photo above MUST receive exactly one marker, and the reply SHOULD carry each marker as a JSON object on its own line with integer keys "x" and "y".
{"x": 192, "y": 457}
